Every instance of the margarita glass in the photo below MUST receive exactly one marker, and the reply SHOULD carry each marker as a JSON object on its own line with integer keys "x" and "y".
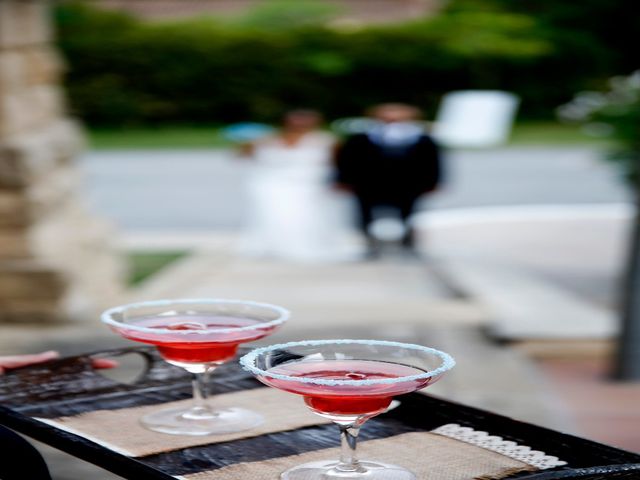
{"x": 197, "y": 335}
{"x": 348, "y": 382}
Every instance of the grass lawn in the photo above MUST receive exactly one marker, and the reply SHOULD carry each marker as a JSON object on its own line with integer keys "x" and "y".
{"x": 162, "y": 137}
{"x": 525, "y": 133}
{"x": 143, "y": 265}
{"x": 553, "y": 134}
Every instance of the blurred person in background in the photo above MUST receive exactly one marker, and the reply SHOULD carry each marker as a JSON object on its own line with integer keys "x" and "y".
{"x": 392, "y": 164}
{"x": 293, "y": 213}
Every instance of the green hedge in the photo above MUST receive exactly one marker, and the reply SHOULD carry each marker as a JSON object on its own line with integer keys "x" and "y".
{"x": 126, "y": 72}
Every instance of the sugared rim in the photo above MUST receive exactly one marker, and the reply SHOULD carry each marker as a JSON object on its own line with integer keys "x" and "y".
{"x": 248, "y": 362}
{"x": 107, "y": 316}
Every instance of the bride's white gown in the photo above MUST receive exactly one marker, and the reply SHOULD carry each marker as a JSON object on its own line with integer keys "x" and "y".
{"x": 293, "y": 214}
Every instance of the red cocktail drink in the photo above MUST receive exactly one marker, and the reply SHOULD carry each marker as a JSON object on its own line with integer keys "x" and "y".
{"x": 347, "y": 399}
{"x": 348, "y": 382}
{"x": 197, "y": 335}
{"x": 217, "y": 341}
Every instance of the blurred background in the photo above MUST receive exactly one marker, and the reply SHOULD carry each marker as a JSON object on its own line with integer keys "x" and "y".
{"x": 128, "y": 171}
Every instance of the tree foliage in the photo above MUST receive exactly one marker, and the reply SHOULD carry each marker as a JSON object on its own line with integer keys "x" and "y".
{"x": 614, "y": 112}
{"x": 126, "y": 71}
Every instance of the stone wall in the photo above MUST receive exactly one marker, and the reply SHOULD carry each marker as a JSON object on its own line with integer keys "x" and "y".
{"x": 56, "y": 261}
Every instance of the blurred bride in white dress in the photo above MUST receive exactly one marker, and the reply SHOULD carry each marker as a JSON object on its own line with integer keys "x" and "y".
{"x": 293, "y": 213}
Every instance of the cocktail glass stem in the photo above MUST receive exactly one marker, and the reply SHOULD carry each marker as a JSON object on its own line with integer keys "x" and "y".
{"x": 200, "y": 384}
{"x": 200, "y": 418}
{"x": 348, "y": 453}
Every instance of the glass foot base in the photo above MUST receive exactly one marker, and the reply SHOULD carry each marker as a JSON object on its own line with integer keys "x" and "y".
{"x": 326, "y": 470}
{"x": 201, "y": 421}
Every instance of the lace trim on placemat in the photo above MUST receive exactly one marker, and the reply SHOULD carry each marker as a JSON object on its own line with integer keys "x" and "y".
{"x": 497, "y": 444}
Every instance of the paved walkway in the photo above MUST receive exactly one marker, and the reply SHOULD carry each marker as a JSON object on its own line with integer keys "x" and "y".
{"x": 202, "y": 190}
{"x": 602, "y": 409}
{"x": 381, "y": 295}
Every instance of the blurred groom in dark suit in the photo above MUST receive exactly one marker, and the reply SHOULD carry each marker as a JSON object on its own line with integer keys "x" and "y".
{"x": 392, "y": 164}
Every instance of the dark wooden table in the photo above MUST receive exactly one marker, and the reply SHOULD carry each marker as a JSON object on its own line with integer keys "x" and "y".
{"x": 70, "y": 386}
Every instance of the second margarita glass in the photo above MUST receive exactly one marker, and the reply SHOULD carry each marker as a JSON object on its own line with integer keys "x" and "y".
{"x": 197, "y": 335}
{"x": 348, "y": 382}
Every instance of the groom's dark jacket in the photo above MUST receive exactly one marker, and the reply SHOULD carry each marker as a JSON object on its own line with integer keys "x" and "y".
{"x": 388, "y": 174}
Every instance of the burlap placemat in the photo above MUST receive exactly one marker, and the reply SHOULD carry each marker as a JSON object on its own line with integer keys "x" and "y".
{"x": 120, "y": 430}
{"x": 430, "y": 456}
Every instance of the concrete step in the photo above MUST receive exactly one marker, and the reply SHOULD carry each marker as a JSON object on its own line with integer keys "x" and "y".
{"x": 389, "y": 292}
{"x": 523, "y": 307}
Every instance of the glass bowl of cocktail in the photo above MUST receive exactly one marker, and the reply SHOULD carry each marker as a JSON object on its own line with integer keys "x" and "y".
{"x": 197, "y": 335}
{"x": 347, "y": 382}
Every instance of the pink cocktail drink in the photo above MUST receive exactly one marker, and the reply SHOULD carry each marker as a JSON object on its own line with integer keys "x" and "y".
{"x": 348, "y": 382}
{"x": 197, "y": 335}
{"x": 209, "y": 346}
{"x": 347, "y": 399}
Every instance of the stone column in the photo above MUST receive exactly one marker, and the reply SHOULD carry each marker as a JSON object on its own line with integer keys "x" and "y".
{"x": 56, "y": 261}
